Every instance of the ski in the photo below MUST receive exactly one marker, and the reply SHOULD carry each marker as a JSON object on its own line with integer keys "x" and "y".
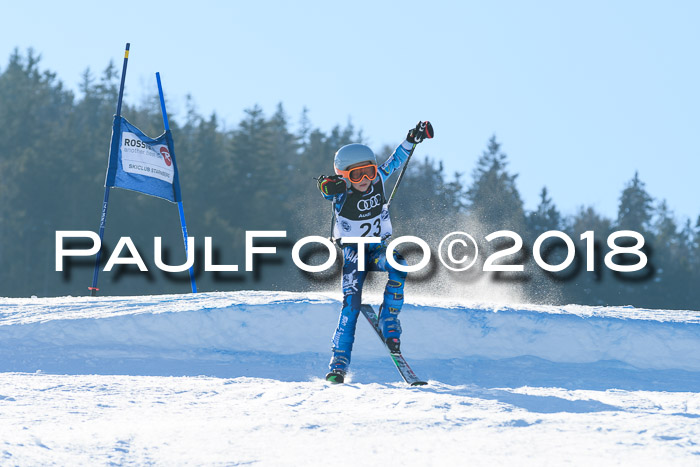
{"x": 401, "y": 364}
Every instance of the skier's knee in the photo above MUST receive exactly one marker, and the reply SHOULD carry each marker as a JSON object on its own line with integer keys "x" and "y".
{"x": 402, "y": 261}
{"x": 352, "y": 303}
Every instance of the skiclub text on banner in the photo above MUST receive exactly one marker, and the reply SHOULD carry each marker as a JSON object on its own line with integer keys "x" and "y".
{"x": 140, "y": 163}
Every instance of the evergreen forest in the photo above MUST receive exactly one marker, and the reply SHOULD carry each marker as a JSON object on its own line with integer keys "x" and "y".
{"x": 259, "y": 175}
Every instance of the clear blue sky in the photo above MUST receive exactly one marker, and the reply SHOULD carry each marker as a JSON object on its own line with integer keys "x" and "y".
{"x": 580, "y": 94}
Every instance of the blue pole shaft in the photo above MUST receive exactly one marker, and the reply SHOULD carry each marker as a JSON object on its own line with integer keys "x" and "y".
{"x": 105, "y": 202}
{"x": 162, "y": 103}
{"x": 103, "y": 222}
{"x": 121, "y": 85}
{"x": 180, "y": 209}
{"x": 184, "y": 235}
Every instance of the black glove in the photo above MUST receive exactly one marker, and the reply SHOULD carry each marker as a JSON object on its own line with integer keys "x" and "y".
{"x": 331, "y": 186}
{"x": 420, "y": 132}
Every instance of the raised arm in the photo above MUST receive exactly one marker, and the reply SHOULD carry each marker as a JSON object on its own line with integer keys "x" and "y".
{"x": 400, "y": 155}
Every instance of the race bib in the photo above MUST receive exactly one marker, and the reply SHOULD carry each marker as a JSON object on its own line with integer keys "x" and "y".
{"x": 377, "y": 226}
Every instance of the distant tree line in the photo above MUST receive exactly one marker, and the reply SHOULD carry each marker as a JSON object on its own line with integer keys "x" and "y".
{"x": 259, "y": 176}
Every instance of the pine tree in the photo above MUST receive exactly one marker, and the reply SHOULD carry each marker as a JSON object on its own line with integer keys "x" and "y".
{"x": 304, "y": 128}
{"x": 665, "y": 229}
{"x": 425, "y": 195}
{"x": 687, "y": 236}
{"x": 588, "y": 219}
{"x": 635, "y": 208}
{"x": 494, "y": 200}
{"x": 545, "y": 217}
{"x": 589, "y": 287}
{"x": 671, "y": 255}
{"x": 695, "y": 246}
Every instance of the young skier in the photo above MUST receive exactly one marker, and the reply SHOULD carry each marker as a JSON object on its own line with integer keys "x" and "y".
{"x": 359, "y": 204}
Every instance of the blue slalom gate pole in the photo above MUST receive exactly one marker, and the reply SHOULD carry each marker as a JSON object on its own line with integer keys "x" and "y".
{"x": 103, "y": 218}
{"x": 176, "y": 181}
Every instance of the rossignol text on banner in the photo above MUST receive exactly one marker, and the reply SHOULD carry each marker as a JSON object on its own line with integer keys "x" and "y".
{"x": 140, "y": 163}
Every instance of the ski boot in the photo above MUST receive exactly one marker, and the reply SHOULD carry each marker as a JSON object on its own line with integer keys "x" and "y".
{"x": 393, "y": 344}
{"x": 338, "y": 366}
{"x": 391, "y": 328}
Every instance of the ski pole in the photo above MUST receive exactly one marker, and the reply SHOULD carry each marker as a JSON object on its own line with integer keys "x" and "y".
{"x": 333, "y": 221}
{"x": 393, "y": 192}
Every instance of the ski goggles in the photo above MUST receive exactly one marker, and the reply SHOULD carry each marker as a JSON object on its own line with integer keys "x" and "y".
{"x": 355, "y": 175}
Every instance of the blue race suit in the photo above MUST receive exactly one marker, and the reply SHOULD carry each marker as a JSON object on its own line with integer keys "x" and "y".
{"x": 366, "y": 215}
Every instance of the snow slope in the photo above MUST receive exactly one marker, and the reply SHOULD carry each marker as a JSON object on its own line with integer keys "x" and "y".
{"x": 234, "y": 378}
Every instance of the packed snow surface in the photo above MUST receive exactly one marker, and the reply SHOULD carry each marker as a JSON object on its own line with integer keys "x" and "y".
{"x": 237, "y": 378}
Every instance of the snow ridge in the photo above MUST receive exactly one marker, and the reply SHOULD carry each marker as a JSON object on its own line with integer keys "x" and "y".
{"x": 287, "y": 335}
